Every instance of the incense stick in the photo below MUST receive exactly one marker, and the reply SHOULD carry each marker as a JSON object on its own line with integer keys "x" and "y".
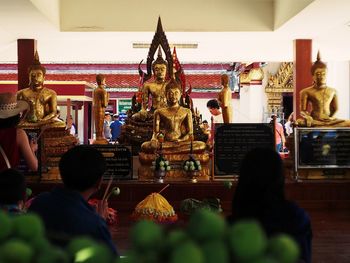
{"x": 165, "y": 187}
{"x": 107, "y": 188}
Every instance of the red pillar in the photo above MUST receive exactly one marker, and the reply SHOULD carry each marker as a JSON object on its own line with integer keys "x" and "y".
{"x": 302, "y": 77}
{"x": 25, "y": 56}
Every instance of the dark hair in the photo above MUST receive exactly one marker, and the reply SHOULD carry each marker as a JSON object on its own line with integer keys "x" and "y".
{"x": 10, "y": 122}
{"x": 205, "y": 121}
{"x": 173, "y": 84}
{"x": 82, "y": 167}
{"x": 260, "y": 184}
{"x": 213, "y": 104}
{"x": 12, "y": 187}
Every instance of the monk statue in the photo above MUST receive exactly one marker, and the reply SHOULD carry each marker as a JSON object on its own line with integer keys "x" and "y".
{"x": 175, "y": 122}
{"x": 155, "y": 89}
{"x": 100, "y": 102}
{"x": 42, "y": 101}
{"x": 322, "y": 99}
{"x": 225, "y": 100}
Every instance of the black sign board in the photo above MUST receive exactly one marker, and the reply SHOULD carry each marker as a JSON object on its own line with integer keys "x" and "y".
{"x": 119, "y": 160}
{"x": 234, "y": 140}
{"x": 323, "y": 147}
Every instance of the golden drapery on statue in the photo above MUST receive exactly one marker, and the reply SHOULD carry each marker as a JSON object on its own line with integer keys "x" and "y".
{"x": 225, "y": 100}
{"x": 319, "y": 103}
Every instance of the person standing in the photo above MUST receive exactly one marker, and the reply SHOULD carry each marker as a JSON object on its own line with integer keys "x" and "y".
{"x": 116, "y": 127}
{"x": 214, "y": 108}
{"x": 106, "y": 126}
{"x": 280, "y": 139}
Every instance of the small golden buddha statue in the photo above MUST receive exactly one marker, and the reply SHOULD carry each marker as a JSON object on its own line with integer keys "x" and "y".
{"x": 225, "y": 100}
{"x": 100, "y": 102}
{"x": 42, "y": 101}
{"x": 176, "y": 123}
{"x": 154, "y": 89}
{"x": 322, "y": 99}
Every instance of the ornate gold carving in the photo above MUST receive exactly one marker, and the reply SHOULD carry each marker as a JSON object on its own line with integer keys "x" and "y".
{"x": 281, "y": 82}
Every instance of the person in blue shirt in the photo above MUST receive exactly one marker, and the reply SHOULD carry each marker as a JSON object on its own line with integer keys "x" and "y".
{"x": 116, "y": 127}
{"x": 65, "y": 210}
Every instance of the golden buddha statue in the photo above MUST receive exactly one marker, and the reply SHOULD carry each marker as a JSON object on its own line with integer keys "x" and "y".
{"x": 154, "y": 89}
{"x": 42, "y": 101}
{"x": 225, "y": 100}
{"x": 100, "y": 102}
{"x": 322, "y": 99}
{"x": 176, "y": 123}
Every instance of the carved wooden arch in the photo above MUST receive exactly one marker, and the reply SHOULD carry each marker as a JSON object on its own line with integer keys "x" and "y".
{"x": 159, "y": 39}
{"x": 281, "y": 82}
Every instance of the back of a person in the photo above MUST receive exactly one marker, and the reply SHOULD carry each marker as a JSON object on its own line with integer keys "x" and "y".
{"x": 66, "y": 214}
{"x": 260, "y": 195}
{"x": 65, "y": 210}
{"x": 115, "y": 129}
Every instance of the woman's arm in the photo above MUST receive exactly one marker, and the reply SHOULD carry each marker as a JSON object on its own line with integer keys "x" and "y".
{"x": 27, "y": 150}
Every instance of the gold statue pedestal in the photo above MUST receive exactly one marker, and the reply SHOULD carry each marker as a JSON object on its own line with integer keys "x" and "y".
{"x": 55, "y": 142}
{"x": 177, "y": 173}
{"x": 100, "y": 141}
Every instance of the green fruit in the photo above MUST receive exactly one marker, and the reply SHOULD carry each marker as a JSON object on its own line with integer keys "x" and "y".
{"x": 175, "y": 238}
{"x": 97, "y": 253}
{"x": 52, "y": 255}
{"x": 16, "y": 251}
{"x": 187, "y": 252}
{"x": 146, "y": 235}
{"x": 247, "y": 240}
{"x": 264, "y": 259}
{"x": 6, "y": 226}
{"x": 284, "y": 249}
{"x": 78, "y": 244}
{"x": 206, "y": 225}
{"x": 215, "y": 252}
{"x": 40, "y": 244}
{"x": 28, "y": 226}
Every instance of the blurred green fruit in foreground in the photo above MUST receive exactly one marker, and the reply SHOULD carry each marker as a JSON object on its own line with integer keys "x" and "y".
{"x": 40, "y": 244}
{"x": 16, "y": 251}
{"x": 284, "y": 249}
{"x": 5, "y": 226}
{"x": 52, "y": 255}
{"x": 215, "y": 252}
{"x": 28, "y": 226}
{"x": 97, "y": 253}
{"x": 146, "y": 235}
{"x": 247, "y": 240}
{"x": 79, "y": 243}
{"x": 175, "y": 238}
{"x": 264, "y": 259}
{"x": 206, "y": 225}
{"x": 187, "y": 252}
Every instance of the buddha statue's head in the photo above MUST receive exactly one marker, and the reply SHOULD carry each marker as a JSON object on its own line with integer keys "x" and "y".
{"x": 319, "y": 71}
{"x": 100, "y": 79}
{"x": 159, "y": 67}
{"x": 36, "y": 72}
{"x": 173, "y": 92}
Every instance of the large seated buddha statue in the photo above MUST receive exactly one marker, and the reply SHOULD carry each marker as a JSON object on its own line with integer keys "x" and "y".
{"x": 42, "y": 101}
{"x": 319, "y": 103}
{"x": 41, "y": 121}
{"x": 175, "y": 122}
